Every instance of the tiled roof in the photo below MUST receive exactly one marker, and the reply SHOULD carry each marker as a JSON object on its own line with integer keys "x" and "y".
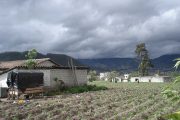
{"x": 22, "y": 63}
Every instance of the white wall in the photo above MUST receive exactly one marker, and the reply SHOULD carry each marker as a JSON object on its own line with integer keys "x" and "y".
{"x": 119, "y": 79}
{"x": 3, "y": 79}
{"x": 151, "y": 78}
{"x": 103, "y": 76}
{"x": 126, "y": 76}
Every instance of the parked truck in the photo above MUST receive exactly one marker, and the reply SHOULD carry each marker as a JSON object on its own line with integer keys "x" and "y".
{"x": 26, "y": 84}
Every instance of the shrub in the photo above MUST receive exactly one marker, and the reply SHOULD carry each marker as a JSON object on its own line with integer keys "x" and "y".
{"x": 76, "y": 89}
{"x": 84, "y": 88}
{"x": 174, "y": 116}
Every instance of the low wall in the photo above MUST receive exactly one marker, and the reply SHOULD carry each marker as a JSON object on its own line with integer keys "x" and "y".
{"x": 151, "y": 79}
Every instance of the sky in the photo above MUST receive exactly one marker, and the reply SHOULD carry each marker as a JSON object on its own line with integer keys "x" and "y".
{"x": 90, "y": 28}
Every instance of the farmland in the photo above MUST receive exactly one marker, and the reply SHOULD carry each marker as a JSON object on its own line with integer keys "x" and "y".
{"x": 125, "y": 101}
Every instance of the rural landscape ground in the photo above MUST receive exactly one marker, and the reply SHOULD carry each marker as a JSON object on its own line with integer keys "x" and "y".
{"x": 122, "y": 101}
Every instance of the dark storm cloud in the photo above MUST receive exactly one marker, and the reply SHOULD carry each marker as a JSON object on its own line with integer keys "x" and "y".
{"x": 90, "y": 28}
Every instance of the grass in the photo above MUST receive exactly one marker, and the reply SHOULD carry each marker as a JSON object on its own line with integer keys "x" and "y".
{"x": 174, "y": 116}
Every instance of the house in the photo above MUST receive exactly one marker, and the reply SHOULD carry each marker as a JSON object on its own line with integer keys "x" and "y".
{"x": 103, "y": 76}
{"x": 71, "y": 76}
{"x": 155, "y": 78}
{"x": 124, "y": 78}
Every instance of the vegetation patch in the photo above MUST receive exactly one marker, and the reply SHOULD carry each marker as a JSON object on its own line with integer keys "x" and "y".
{"x": 84, "y": 88}
{"x": 75, "y": 89}
{"x": 174, "y": 116}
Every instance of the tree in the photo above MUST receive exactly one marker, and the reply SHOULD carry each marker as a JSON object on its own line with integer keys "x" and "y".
{"x": 134, "y": 74}
{"x": 31, "y": 62}
{"x": 169, "y": 90}
{"x": 143, "y": 57}
{"x": 112, "y": 76}
{"x": 176, "y": 66}
{"x": 177, "y": 63}
{"x": 92, "y": 75}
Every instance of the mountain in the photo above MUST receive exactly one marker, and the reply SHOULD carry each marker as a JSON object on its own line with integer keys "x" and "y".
{"x": 163, "y": 63}
{"x": 63, "y": 59}
{"x": 108, "y": 64}
{"x": 166, "y": 62}
{"x": 58, "y": 58}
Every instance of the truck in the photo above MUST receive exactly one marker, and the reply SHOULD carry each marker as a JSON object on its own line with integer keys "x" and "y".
{"x": 26, "y": 84}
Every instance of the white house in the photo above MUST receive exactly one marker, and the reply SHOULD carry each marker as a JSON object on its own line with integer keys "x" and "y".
{"x": 70, "y": 76}
{"x": 103, "y": 76}
{"x": 124, "y": 78}
{"x": 155, "y": 78}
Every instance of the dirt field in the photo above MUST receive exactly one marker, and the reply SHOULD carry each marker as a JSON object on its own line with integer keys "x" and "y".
{"x": 125, "y": 101}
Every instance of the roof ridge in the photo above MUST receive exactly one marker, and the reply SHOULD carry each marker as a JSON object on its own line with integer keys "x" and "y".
{"x": 24, "y": 60}
{"x": 16, "y": 63}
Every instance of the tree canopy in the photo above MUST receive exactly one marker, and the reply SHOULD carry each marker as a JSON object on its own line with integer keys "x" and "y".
{"x": 143, "y": 57}
{"x": 112, "y": 75}
{"x": 31, "y": 56}
{"x": 93, "y": 75}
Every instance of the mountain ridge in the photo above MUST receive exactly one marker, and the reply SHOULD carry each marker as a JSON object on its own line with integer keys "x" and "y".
{"x": 58, "y": 58}
{"x": 163, "y": 63}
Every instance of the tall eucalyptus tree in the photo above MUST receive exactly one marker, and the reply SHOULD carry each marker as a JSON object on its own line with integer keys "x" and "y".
{"x": 143, "y": 57}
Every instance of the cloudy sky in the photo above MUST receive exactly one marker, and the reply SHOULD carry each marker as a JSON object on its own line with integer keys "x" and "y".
{"x": 90, "y": 28}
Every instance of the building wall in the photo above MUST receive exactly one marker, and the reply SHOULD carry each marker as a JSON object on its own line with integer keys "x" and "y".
{"x": 168, "y": 79}
{"x": 49, "y": 74}
{"x": 103, "y": 76}
{"x": 119, "y": 79}
{"x": 67, "y": 76}
{"x": 81, "y": 76}
{"x": 151, "y": 79}
{"x": 126, "y": 76}
{"x": 3, "y": 79}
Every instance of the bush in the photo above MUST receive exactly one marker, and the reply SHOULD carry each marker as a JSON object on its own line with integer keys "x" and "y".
{"x": 84, "y": 88}
{"x": 76, "y": 89}
{"x": 174, "y": 116}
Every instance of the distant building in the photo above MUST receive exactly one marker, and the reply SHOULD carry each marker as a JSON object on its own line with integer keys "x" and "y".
{"x": 123, "y": 78}
{"x": 103, "y": 76}
{"x": 126, "y": 76}
{"x": 155, "y": 78}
